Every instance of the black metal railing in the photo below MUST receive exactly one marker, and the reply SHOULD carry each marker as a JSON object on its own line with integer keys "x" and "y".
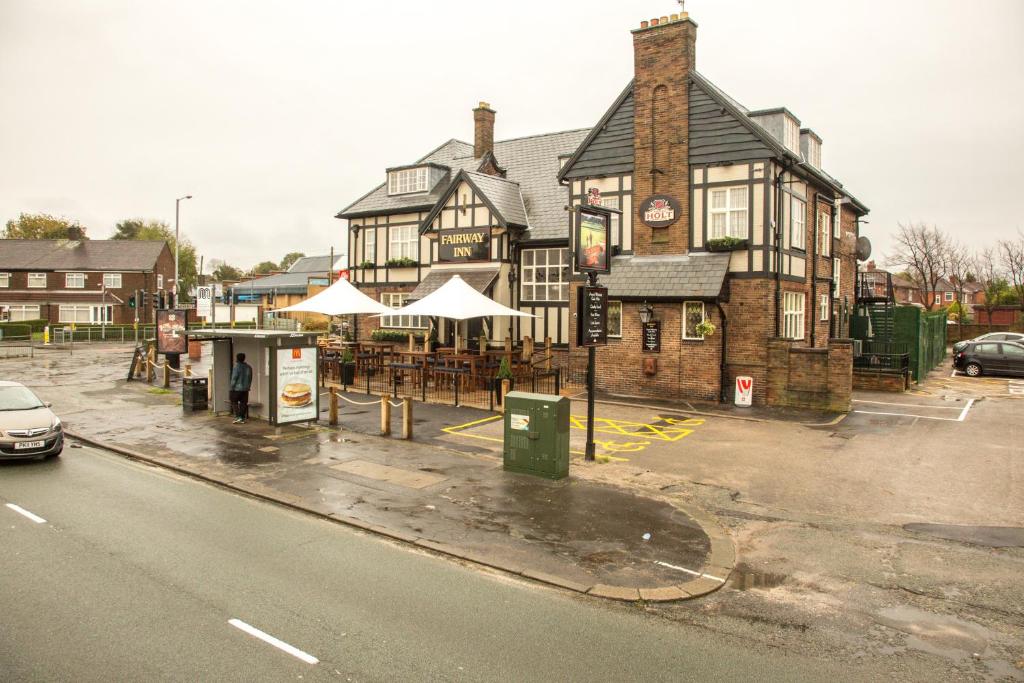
{"x": 883, "y": 357}
{"x": 873, "y": 286}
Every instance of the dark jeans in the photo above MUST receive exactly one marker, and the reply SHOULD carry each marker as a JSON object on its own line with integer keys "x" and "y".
{"x": 240, "y": 404}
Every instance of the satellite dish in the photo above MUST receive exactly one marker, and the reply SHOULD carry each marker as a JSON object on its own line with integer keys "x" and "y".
{"x": 863, "y": 248}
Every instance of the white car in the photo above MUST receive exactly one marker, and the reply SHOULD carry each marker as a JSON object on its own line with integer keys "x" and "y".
{"x": 28, "y": 428}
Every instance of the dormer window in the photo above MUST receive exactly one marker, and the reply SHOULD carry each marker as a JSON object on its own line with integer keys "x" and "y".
{"x": 791, "y": 134}
{"x": 408, "y": 180}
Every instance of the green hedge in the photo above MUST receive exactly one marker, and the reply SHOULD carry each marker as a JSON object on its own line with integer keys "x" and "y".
{"x": 395, "y": 335}
{"x": 33, "y": 325}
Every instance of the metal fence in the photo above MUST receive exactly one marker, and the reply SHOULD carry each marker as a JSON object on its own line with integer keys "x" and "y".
{"x": 883, "y": 357}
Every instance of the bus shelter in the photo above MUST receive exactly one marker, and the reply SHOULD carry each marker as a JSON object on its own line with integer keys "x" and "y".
{"x": 284, "y": 372}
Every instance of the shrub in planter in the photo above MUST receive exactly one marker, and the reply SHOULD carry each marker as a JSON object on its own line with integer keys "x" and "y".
{"x": 404, "y": 262}
{"x": 396, "y": 336}
{"x": 705, "y": 328}
{"x": 726, "y": 244}
{"x": 348, "y": 367}
{"x": 504, "y": 372}
{"x": 365, "y": 265}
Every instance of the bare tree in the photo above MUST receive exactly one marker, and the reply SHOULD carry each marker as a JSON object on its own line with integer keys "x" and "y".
{"x": 986, "y": 269}
{"x": 1011, "y": 258}
{"x": 922, "y": 250}
{"x": 959, "y": 263}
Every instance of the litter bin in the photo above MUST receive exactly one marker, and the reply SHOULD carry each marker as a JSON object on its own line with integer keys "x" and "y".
{"x": 194, "y": 394}
{"x": 536, "y": 434}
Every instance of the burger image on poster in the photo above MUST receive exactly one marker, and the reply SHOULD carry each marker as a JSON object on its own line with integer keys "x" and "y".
{"x": 297, "y": 394}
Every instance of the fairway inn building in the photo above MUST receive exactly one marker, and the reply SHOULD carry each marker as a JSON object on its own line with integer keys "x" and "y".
{"x": 754, "y": 236}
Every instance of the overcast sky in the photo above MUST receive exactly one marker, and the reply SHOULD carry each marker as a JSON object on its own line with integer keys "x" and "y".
{"x": 275, "y": 115}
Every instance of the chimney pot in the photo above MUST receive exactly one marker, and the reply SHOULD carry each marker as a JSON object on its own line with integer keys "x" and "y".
{"x": 654, "y": 21}
{"x": 644, "y": 24}
{"x": 675, "y": 17}
{"x": 664, "y": 20}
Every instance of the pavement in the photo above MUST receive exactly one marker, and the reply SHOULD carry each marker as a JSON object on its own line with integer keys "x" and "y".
{"x": 585, "y": 536}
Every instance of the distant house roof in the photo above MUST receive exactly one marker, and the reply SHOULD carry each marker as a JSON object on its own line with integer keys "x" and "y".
{"x": 109, "y": 255}
{"x": 314, "y": 264}
{"x": 295, "y": 281}
{"x": 531, "y": 162}
{"x": 696, "y": 276}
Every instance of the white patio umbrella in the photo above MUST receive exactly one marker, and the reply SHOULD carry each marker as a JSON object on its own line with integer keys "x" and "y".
{"x": 341, "y": 298}
{"x": 457, "y": 300}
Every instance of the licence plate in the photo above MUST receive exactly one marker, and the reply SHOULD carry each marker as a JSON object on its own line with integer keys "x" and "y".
{"x": 25, "y": 445}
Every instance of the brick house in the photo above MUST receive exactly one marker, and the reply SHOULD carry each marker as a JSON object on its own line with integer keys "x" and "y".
{"x": 786, "y": 280}
{"x": 80, "y": 281}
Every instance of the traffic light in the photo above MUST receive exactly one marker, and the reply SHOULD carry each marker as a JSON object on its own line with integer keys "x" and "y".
{"x": 170, "y": 299}
{"x": 131, "y": 301}
{"x": 162, "y": 303}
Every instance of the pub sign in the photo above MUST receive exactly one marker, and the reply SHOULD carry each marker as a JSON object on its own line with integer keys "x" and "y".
{"x": 651, "y": 339}
{"x": 593, "y": 236}
{"x": 659, "y": 211}
{"x": 592, "y": 317}
{"x": 462, "y": 246}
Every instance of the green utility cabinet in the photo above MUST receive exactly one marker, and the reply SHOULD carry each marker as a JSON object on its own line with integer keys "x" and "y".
{"x": 537, "y": 434}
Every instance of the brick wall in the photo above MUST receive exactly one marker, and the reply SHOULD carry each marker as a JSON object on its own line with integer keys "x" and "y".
{"x": 865, "y": 380}
{"x": 806, "y": 377}
{"x": 663, "y": 57}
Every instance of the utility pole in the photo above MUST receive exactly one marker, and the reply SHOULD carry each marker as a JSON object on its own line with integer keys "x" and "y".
{"x": 177, "y": 240}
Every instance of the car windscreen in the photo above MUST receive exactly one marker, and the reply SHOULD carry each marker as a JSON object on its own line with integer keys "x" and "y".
{"x": 18, "y": 398}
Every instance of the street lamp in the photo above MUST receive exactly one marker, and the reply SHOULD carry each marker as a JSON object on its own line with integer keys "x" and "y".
{"x": 177, "y": 240}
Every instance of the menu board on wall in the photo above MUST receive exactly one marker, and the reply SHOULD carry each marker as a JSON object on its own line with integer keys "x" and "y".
{"x": 592, "y": 317}
{"x": 652, "y": 336}
{"x": 296, "y": 385}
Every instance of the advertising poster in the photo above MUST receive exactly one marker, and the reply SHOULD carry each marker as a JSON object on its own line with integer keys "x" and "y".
{"x": 171, "y": 331}
{"x": 296, "y": 385}
{"x": 592, "y": 236}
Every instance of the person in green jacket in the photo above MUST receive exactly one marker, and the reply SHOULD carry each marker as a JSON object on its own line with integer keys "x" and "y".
{"x": 241, "y": 380}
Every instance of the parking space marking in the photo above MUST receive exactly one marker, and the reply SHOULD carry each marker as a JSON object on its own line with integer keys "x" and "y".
{"x": 906, "y": 405}
{"x": 25, "y": 513}
{"x": 271, "y": 640}
{"x": 959, "y": 418}
{"x": 689, "y": 571}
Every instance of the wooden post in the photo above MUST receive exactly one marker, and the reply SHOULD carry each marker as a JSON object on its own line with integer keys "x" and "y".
{"x": 505, "y": 386}
{"x": 150, "y": 370}
{"x": 407, "y": 418}
{"x": 385, "y": 415}
{"x": 483, "y": 345}
{"x": 527, "y": 348}
{"x": 167, "y": 375}
{"x": 412, "y": 342}
{"x": 508, "y": 343}
{"x": 547, "y": 353}
{"x": 188, "y": 369}
{"x": 332, "y": 418}
{"x": 140, "y": 365}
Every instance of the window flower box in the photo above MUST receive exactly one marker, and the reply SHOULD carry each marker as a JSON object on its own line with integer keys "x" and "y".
{"x": 726, "y": 244}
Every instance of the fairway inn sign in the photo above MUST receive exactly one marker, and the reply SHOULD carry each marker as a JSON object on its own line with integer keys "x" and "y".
{"x": 463, "y": 246}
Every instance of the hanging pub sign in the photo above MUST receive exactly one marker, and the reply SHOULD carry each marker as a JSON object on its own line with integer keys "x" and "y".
{"x": 592, "y": 317}
{"x": 659, "y": 211}
{"x": 462, "y": 246}
{"x": 171, "y": 330}
{"x": 651, "y": 338}
{"x": 592, "y": 238}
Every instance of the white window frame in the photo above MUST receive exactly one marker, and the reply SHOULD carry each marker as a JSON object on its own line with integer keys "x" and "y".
{"x": 74, "y": 313}
{"x": 793, "y": 325}
{"x": 74, "y": 280}
{"x": 556, "y": 261}
{"x": 21, "y": 310}
{"x": 408, "y": 180}
{"x": 823, "y": 307}
{"x": 814, "y": 149}
{"x": 691, "y": 334}
{"x": 404, "y": 322}
{"x": 370, "y": 245}
{"x": 794, "y": 224}
{"x": 5, "y": 280}
{"x": 37, "y": 284}
{"x": 824, "y": 233}
{"x": 617, "y": 334}
{"x": 791, "y": 133}
{"x": 112, "y": 280}
{"x": 403, "y": 242}
{"x": 734, "y": 213}
{"x": 613, "y": 203}
{"x": 159, "y": 281}
{"x": 837, "y": 273}
{"x": 949, "y": 296}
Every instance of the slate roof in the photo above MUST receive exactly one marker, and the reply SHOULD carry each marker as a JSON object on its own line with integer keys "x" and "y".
{"x": 504, "y": 194}
{"x": 689, "y": 276}
{"x": 295, "y": 281}
{"x": 313, "y": 264}
{"x": 477, "y": 278}
{"x": 109, "y": 255}
{"x": 530, "y": 161}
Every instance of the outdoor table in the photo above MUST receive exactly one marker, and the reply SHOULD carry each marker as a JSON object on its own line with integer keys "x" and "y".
{"x": 473, "y": 360}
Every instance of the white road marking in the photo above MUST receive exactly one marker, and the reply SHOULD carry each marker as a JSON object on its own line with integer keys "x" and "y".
{"x": 923, "y": 417}
{"x": 22, "y": 511}
{"x": 970, "y": 402}
{"x": 906, "y": 405}
{"x": 953, "y": 374}
{"x": 279, "y": 644}
{"x": 689, "y": 571}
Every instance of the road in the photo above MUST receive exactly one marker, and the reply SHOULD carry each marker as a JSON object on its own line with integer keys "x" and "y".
{"x": 136, "y": 573}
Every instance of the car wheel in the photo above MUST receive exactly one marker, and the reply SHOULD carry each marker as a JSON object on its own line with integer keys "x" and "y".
{"x": 972, "y": 369}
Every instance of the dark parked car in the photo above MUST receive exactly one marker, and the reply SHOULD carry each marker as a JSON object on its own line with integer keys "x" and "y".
{"x": 991, "y": 336}
{"x": 990, "y": 358}
{"x": 28, "y": 428}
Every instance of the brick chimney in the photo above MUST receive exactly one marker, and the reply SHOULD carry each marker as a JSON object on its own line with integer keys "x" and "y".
{"x": 483, "y": 130}
{"x": 664, "y": 53}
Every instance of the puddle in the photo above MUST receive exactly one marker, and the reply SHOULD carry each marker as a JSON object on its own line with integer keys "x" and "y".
{"x": 745, "y": 578}
{"x": 937, "y": 634}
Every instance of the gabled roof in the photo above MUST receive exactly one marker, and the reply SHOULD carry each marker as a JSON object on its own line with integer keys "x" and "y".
{"x": 109, "y": 255}
{"x": 609, "y": 145}
{"x": 501, "y": 196}
{"x": 530, "y": 161}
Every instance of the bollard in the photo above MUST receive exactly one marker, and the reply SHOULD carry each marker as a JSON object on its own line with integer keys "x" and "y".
{"x": 140, "y": 363}
{"x": 385, "y": 415}
{"x": 332, "y": 418}
{"x": 547, "y": 353}
{"x": 508, "y": 343}
{"x": 150, "y": 370}
{"x": 209, "y": 388}
{"x": 505, "y": 387}
{"x": 407, "y": 418}
{"x": 167, "y": 375}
